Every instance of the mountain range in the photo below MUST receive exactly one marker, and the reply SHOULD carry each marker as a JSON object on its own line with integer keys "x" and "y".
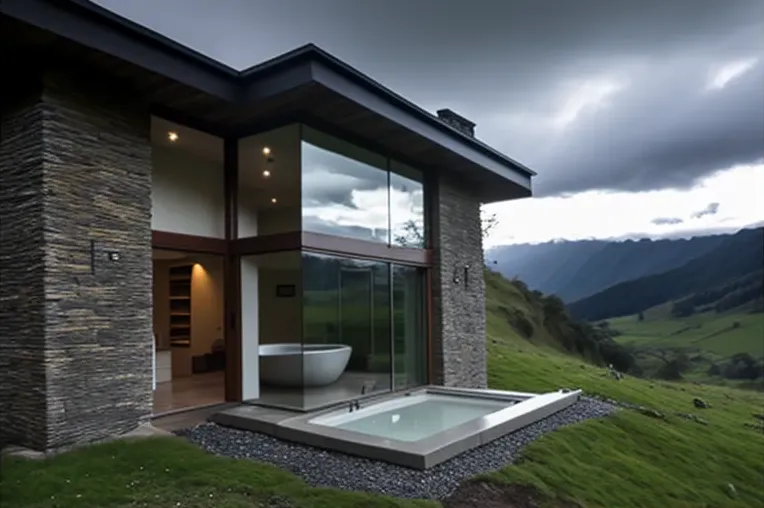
{"x": 600, "y": 279}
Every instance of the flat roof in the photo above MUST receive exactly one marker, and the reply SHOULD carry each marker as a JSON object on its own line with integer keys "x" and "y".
{"x": 96, "y": 27}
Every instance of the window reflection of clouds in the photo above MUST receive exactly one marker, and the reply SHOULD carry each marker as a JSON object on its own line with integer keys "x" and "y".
{"x": 345, "y": 192}
{"x": 344, "y": 188}
{"x": 406, "y": 206}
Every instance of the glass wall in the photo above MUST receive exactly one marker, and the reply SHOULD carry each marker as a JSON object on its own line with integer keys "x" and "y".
{"x": 320, "y": 329}
{"x": 409, "y": 326}
{"x": 187, "y": 180}
{"x": 269, "y": 182}
{"x": 351, "y": 192}
{"x": 346, "y": 308}
{"x": 344, "y": 189}
{"x": 406, "y": 206}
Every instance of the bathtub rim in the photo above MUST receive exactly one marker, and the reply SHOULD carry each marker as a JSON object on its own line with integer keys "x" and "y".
{"x": 302, "y": 349}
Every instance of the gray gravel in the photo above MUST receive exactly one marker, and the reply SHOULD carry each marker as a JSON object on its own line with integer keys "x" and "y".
{"x": 333, "y": 469}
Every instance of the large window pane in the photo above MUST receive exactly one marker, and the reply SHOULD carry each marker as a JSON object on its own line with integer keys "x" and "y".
{"x": 346, "y": 303}
{"x": 187, "y": 194}
{"x": 406, "y": 206}
{"x": 269, "y": 182}
{"x": 344, "y": 189}
{"x": 409, "y": 326}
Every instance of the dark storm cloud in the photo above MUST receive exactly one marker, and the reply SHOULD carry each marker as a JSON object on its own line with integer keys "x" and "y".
{"x": 512, "y": 66}
{"x": 663, "y": 221}
{"x": 711, "y": 209}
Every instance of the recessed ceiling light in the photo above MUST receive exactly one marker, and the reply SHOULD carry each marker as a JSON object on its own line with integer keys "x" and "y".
{"x": 273, "y": 200}
{"x": 266, "y": 173}
{"x": 266, "y": 150}
{"x": 172, "y": 136}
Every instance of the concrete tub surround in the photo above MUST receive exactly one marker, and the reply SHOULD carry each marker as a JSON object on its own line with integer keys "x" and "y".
{"x": 319, "y": 428}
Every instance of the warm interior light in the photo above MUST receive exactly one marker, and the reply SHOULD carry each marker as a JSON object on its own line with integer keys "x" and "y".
{"x": 266, "y": 150}
{"x": 273, "y": 200}
{"x": 172, "y": 136}
{"x": 266, "y": 173}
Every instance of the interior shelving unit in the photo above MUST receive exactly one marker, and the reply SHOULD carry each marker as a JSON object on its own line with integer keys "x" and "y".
{"x": 180, "y": 305}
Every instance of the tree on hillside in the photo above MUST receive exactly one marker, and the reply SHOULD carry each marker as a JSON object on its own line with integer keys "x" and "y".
{"x": 743, "y": 366}
{"x": 641, "y": 316}
{"x": 675, "y": 362}
{"x": 488, "y": 222}
{"x": 412, "y": 232}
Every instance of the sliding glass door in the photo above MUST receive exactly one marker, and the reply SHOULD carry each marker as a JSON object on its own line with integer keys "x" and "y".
{"x": 346, "y": 303}
{"x": 409, "y": 326}
{"x": 364, "y": 314}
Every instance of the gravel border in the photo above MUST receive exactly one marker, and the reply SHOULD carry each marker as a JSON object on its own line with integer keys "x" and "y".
{"x": 323, "y": 468}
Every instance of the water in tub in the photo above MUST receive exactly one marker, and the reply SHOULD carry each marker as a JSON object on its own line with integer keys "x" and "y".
{"x": 425, "y": 416}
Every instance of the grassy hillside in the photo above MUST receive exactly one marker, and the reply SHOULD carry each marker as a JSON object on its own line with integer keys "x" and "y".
{"x": 708, "y": 346}
{"x": 627, "y": 459}
{"x": 738, "y": 255}
{"x": 709, "y": 332}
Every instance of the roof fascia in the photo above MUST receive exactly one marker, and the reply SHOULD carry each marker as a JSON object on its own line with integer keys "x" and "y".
{"x": 96, "y": 27}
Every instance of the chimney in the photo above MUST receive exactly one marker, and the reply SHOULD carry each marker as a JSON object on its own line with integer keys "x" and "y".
{"x": 457, "y": 121}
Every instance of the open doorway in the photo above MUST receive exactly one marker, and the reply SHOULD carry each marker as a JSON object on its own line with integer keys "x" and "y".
{"x": 189, "y": 345}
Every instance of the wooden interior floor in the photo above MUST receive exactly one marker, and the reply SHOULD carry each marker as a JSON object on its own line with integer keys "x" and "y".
{"x": 191, "y": 391}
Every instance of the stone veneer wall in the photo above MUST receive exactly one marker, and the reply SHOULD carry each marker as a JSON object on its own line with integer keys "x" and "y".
{"x": 22, "y": 294}
{"x": 459, "y": 347}
{"x": 87, "y": 318}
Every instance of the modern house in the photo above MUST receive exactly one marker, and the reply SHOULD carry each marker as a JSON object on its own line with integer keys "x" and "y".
{"x": 163, "y": 217}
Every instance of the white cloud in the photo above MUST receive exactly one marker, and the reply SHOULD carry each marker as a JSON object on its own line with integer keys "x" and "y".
{"x": 584, "y": 95}
{"x": 606, "y": 215}
{"x": 729, "y": 72}
{"x": 369, "y": 210}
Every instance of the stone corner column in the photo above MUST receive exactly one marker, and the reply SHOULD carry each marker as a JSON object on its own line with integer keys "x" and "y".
{"x": 459, "y": 342}
{"x": 22, "y": 309}
{"x": 97, "y": 251}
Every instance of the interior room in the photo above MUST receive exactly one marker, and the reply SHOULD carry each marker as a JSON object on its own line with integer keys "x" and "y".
{"x": 330, "y": 329}
{"x": 189, "y": 342}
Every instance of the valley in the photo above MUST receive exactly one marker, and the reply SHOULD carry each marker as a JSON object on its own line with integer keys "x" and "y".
{"x": 666, "y": 452}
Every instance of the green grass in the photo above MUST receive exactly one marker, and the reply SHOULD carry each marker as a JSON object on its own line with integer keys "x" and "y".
{"x": 163, "y": 472}
{"x": 703, "y": 332}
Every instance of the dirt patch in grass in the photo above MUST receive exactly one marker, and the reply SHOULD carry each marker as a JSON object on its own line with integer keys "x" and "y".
{"x": 490, "y": 495}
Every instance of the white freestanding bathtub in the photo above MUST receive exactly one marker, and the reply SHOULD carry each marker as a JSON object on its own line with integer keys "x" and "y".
{"x": 302, "y": 365}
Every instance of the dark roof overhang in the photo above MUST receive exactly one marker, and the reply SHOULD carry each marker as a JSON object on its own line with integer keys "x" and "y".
{"x": 306, "y": 81}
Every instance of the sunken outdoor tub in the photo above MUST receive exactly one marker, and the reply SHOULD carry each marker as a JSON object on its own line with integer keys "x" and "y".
{"x": 297, "y": 365}
{"x": 417, "y": 429}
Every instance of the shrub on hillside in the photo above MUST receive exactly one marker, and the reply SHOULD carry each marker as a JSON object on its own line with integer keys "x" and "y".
{"x": 743, "y": 366}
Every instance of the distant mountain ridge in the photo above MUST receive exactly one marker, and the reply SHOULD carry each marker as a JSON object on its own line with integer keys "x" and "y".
{"x": 574, "y": 270}
{"x": 736, "y": 256}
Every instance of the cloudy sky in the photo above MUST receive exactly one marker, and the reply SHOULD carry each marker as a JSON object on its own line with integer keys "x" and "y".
{"x": 640, "y": 117}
